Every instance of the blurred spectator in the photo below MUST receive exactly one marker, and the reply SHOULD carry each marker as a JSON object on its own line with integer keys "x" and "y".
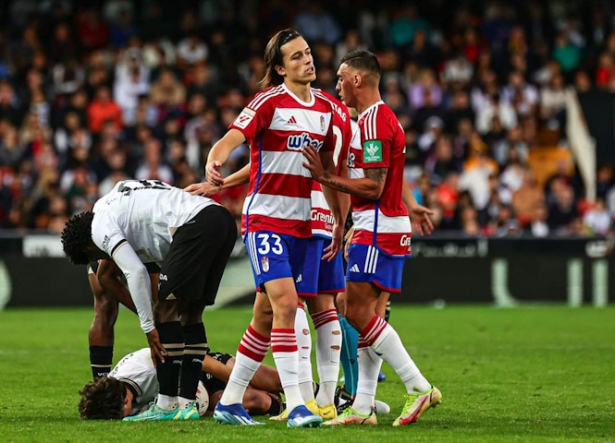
{"x": 153, "y": 167}
{"x": 598, "y": 219}
{"x": 528, "y": 200}
{"x": 494, "y": 107}
{"x": 103, "y": 109}
{"x": 317, "y": 24}
{"x": 562, "y": 211}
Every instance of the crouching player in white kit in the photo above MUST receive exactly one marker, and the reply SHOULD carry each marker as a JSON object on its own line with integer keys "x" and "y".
{"x": 132, "y": 385}
{"x": 191, "y": 238}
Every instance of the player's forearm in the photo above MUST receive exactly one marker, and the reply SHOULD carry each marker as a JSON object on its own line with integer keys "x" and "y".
{"x": 112, "y": 287}
{"x": 138, "y": 284}
{"x": 216, "y": 369}
{"x": 223, "y": 147}
{"x": 336, "y": 201}
{"x": 361, "y": 187}
{"x": 240, "y": 177}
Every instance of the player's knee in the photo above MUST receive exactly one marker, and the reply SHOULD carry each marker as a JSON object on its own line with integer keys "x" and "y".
{"x": 357, "y": 314}
{"x": 285, "y": 310}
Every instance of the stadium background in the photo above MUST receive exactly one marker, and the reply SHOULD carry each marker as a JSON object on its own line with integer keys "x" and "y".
{"x": 508, "y": 108}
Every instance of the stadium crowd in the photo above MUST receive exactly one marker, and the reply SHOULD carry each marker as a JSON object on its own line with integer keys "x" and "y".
{"x": 93, "y": 92}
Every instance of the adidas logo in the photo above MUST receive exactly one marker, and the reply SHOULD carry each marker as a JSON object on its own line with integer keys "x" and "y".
{"x": 299, "y": 279}
{"x": 292, "y": 121}
{"x": 355, "y": 268}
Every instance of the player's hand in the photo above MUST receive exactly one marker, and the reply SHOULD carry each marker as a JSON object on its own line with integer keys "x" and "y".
{"x": 212, "y": 172}
{"x": 336, "y": 243}
{"x": 314, "y": 164}
{"x": 206, "y": 189}
{"x": 420, "y": 219}
{"x": 158, "y": 351}
{"x": 348, "y": 242}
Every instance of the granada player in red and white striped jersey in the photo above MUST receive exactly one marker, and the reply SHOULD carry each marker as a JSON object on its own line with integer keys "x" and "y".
{"x": 322, "y": 276}
{"x": 380, "y": 242}
{"x": 278, "y": 124}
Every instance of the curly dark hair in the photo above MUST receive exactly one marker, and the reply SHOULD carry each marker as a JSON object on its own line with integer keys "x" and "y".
{"x": 76, "y": 236}
{"x": 102, "y": 399}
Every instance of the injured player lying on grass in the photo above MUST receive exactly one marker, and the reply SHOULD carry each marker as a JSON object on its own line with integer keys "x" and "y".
{"x": 132, "y": 385}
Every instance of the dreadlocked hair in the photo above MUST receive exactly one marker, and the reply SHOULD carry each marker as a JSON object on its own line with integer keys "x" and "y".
{"x": 76, "y": 236}
{"x": 102, "y": 399}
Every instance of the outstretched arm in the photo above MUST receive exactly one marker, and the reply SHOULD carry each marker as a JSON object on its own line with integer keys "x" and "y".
{"x": 420, "y": 216}
{"x": 235, "y": 179}
{"x": 219, "y": 153}
{"x": 370, "y": 187}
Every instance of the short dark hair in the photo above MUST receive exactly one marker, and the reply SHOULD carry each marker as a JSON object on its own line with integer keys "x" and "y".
{"x": 102, "y": 399}
{"x": 362, "y": 60}
{"x": 76, "y": 236}
{"x": 273, "y": 56}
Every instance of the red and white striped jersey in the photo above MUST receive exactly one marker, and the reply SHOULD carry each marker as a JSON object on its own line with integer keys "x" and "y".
{"x": 340, "y": 134}
{"x": 380, "y": 143}
{"x": 277, "y": 125}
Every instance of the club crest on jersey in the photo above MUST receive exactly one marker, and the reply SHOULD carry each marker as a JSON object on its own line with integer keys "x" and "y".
{"x": 265, "y": 264}
{"x": 351, "y": 158}
{"x": 300, "y": 141}
{"x": 372, "y": 151}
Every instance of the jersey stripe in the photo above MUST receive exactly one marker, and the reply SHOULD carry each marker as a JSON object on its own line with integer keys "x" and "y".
{"x": 261, "y": 99}
{"x": 286, "y": 162}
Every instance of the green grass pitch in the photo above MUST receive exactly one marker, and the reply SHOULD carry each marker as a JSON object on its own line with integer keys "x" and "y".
{"x": 529, "y": 374}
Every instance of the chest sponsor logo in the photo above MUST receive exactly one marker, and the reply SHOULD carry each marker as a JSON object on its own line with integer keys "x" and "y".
{"x": 300, "y": 141}
{"x": 372, "y": 151}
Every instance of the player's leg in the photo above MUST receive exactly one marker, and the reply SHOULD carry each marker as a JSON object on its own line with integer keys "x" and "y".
{"x": 304, "y": 344}
{"x": 328, "y": 331}
{"x": 251, "y": 351}
{"x": 307, "y": 289}
{"x": 265, "y": 378}
{"x": 203, "y": 248}
{"x": 378, "y": 338}
{"x": 101, "y": 336}
{"x": 383, "y": 309}
{"x": 276, "y": 263}
{"x": 350, "y": 343}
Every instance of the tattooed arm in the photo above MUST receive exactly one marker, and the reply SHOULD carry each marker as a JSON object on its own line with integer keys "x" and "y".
{"x": 370, "y": 187}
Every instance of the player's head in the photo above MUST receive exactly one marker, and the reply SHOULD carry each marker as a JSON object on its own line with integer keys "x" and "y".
{"x": 288, "y": 58}
{"x": 104, "y": 399}
{"x": 77, "y": 238}
{"x": 358, "y": 69}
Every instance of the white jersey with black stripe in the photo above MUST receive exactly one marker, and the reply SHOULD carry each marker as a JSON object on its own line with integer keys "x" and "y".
{"x": 137, "y": 370}
{"x": 146, "y": 214}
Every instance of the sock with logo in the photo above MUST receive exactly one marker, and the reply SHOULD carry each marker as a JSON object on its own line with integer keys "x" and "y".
{"x": 192, "y": 362}
{"x": 101, "y": 359}
{"x": 172, "y": 338}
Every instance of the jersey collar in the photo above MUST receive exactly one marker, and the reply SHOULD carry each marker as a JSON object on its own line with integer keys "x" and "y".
{"x": 378, "y": 103}
{"x": 298, "y": 100}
